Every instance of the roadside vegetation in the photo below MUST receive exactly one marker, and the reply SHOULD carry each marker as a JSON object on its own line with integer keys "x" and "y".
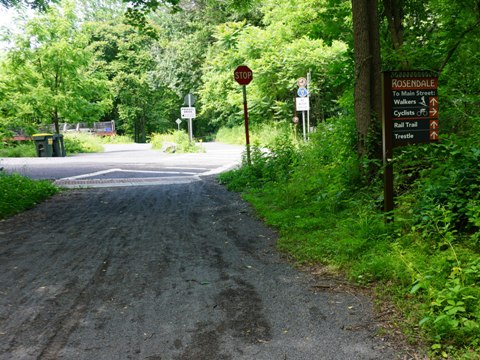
{"x": 76, "y": 143}
{"x": 261, "y": 134}
{"x": 426, "y": 261}
{"x": 177, "y": 141}
{"x": 17, "y": 149}
{"x": 18, "y": 193}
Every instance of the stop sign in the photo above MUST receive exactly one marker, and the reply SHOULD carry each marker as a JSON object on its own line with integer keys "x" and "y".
{"x": 243, "y": 75}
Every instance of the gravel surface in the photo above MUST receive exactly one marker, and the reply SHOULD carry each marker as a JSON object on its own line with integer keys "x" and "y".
{"x": 175, "y": 271}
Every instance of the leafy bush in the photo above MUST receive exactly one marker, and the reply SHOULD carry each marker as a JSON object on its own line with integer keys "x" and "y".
{"x": 82, "y": 143}
{"x": 449, "y": 180}
{"x": 265, "y": 165}
{"x": 262, "y": 135}
{"x": 17, "y": 149}
{"x": 179, "y": 141}
{"x": 18, "y": 193}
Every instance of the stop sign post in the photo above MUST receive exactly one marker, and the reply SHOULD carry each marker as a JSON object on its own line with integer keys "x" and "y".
{"x": 243, "y": 75}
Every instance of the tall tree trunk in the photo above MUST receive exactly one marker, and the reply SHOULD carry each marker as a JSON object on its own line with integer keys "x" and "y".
{"x": 56, "y": 121}
{"x": 393, "y": 12}
{"x": 368, "y": 89}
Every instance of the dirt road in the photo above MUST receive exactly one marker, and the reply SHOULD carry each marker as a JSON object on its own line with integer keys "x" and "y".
{"x": 179, "y": 271}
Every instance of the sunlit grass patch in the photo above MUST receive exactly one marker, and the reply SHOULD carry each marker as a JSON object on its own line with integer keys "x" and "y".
{"x": 18, "y": 193}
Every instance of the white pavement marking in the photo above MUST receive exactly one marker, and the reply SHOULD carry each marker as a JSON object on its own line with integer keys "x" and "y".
{"x": 103, "y": 172}
{"x": 103, "y": 183}
{"x": 89, "y": 175}
{"x": 220, "y": 169}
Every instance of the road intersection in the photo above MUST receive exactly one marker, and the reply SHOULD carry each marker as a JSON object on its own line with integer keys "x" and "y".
{"x": 127, "y": 164}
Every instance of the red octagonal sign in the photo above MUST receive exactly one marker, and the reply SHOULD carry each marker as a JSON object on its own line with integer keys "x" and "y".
{"x": 243, "y": 75}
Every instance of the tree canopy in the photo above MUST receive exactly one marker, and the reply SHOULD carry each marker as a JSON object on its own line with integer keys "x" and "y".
{"x": 134, "y": 62}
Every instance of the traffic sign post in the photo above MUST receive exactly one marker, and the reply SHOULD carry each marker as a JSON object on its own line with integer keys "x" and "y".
{"x": 410, "y": 116}
{"x": 303, "y": 104}
{"x": 243, "y": 75}
{"x": 189, "y": 100}
{"x": 189, "y": 113}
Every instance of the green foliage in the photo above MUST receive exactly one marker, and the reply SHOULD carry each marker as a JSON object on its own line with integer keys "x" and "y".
{"x": 326, "y": 212}
{"x": 141, "y": 105}
{"x": 447, "y": 187}
{"x": 82, "y": 143}
{"x": 18, "y": 193}
{"x": 175, "y": 141}
{"x": 278, "y": 56}
{"x": 117, "y": 139}
{"x": 51, "y": 74}
{"x": 262, "y": 134}
{"x": 17, "y": 149}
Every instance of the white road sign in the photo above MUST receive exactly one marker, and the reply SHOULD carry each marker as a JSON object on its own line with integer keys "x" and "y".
{"x": 303, "y": 103}
{"x": 188, "y": 112}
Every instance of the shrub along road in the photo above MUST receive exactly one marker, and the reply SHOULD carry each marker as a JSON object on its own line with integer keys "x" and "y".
{"x": 173, "y": 271}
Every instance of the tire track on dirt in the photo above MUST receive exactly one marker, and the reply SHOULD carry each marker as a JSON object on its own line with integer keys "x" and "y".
{"x": 68, "y": 321}
{"x": 164, "y": 272}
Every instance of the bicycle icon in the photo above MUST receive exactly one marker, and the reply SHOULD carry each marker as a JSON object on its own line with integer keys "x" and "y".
{"x": 422, "y": 112}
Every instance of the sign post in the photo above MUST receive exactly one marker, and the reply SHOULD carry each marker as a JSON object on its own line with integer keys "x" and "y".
{"x": 190, "y": 100}
{"x": 410, "y": 116}
{"x": 303, "y": 105}
{"x": 189, "y": 113}
{"x": 243, "y": 75}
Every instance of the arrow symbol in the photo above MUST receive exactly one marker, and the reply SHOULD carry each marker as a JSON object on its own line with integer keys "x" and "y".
{"x": 433, "y": 112}
{"x": 434, "y": 135}
{"x": 433, "y": 101}
{"x": 433, "y": 124}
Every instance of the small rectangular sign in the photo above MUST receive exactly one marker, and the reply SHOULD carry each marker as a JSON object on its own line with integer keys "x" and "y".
{"x": 303, "y": 103}
{"x": 188, "y": 112}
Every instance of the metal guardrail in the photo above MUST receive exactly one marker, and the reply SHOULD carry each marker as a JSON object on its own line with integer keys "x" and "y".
{"x": 104, "y": 128}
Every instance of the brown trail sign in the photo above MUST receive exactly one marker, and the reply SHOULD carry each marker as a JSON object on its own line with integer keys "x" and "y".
{"x": 410, "y": 116}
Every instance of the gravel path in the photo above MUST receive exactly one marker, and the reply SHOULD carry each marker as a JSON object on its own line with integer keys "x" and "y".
{"x": 176, "y": 271}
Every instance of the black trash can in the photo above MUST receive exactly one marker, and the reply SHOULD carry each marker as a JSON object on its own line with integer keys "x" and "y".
{"x": 43, "y": 144}
{"x": 58, "y": 145}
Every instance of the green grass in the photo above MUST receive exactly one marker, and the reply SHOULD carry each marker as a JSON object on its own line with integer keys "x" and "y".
{"x": 18, "y": 193}
{"x": 426, "y": 262}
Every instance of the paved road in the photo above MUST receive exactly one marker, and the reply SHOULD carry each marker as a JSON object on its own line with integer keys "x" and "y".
{"x": 173, "y": 271}
{"x": 127, "y": 164}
